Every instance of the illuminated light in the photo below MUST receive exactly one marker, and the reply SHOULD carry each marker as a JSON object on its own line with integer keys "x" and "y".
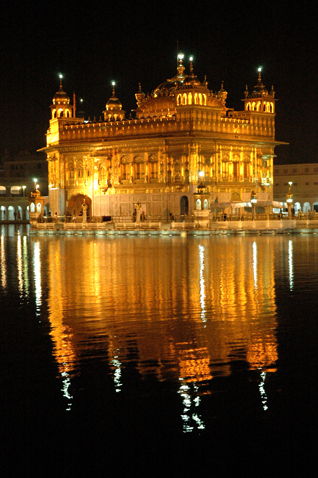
{"x": 262, "y": 391}
{"x": 81, "y": 100}
{"x": 255, "y": 264}
{"x": 191, "y": 58}
{"x": 259, "y": 69}
{"x": 180, "y": 56}
{"x": 113, "y": 83}
{"x": 60, "y": 76}
{"x": 201, "y": 174}
{"x": 202, "y": 284}
{"x": 37, "y": 276}
{"x": 290, "y": 265}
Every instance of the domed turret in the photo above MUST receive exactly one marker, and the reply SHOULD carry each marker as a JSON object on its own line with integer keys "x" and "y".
{"x": 61, "y": 103}
{"x": 260, "y": 100}
{"x": 113, "y": 110}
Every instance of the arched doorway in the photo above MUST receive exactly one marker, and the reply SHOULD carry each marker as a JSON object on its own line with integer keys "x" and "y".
{"x": 3, "y": 215}
{"x": 184, "y": 206}
{"x": 297, "y": 208}
{"x": 11, "y": 213}
{"x": 74, "y": 206}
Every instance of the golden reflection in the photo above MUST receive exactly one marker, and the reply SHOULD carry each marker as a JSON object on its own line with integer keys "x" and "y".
{"x": 3, "y": 268}
{"x": 19, "y": 264}
{"x": 186, "y": 308}
{"x": 290, "y": 265}
{"x": 25, "y": 255}
{"x": 37, "y": 274}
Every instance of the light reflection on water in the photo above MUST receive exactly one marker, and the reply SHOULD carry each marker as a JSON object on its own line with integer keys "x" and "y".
{"x": 193, "y": 306}
{"x": 182, "y": 311}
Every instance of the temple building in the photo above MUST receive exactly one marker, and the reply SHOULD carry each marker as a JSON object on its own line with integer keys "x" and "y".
{"x": 181, "y": 134}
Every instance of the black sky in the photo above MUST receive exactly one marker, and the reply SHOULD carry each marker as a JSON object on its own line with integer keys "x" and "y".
{"x": 95, "y": 42}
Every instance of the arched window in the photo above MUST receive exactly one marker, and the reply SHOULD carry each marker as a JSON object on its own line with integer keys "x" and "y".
{"x": 190, "y": 98}
{"x": 198, "y": 204}
{"x": 3, "y": 190}
{"x": 15, "y": 190}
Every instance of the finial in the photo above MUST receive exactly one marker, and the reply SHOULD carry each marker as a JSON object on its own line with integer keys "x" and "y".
{"x": 180, "y": 67}
{"x": 246, "y": 92}
{"x": 273, "y": 92}
{"x": 191, "y": 65}
{"x": 61, "y": 78}
{"x": 259, "y": 69}
{"x": 113, "y": 83}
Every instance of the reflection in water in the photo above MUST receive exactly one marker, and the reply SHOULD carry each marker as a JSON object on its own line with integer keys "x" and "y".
{"x": 262, "y": 391}
{"x": 37, "y": 275}
{"x": 154, "y": 341}
{"x": 290, "y": 265}
{"x": 3, "y": 269}
{"x": 187, "y": 310}
{"x": 20, "y": 265}
{"x": 255, "y": 263}
{"x": 190, "y": 419}
{"x": 202, "y": 292}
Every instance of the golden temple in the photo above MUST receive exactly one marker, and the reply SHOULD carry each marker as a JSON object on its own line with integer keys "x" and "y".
{"x": 181, "y": 134}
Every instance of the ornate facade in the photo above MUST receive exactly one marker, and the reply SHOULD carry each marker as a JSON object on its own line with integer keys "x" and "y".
{"x": 181, "y": 131}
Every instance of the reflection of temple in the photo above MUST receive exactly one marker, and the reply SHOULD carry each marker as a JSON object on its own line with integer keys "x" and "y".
{"x": 221, "y": 305}
{"x": 180, "y": 130}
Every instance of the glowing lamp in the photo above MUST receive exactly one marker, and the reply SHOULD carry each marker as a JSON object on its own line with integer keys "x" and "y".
{"x": 191, "y": 58}
{"x": 180, "y": 56}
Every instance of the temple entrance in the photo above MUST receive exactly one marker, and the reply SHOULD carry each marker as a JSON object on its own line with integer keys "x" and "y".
{"x": 74, "y": 206}
{"x": 184, "y": 206}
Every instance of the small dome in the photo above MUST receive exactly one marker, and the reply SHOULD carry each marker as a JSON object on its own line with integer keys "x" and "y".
{"x": 60, "y": 96}
{"x": 113, "y": 102}
{"x": 191, "y": 81}
{"x": 259, "y": 89}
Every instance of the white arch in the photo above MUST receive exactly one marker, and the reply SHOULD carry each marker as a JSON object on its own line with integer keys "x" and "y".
{"x": 3, "y": 213}
{"x": 10, "y": 213}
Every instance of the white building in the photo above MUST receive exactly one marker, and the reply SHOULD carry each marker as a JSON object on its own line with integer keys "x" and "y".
{"x": 304, "y": 179}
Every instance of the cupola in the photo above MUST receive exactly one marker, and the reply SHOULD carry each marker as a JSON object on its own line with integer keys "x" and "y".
{"x": 61, "y": 107}
{"x": 114, "y": 110}
{"x": 260, "y": 100}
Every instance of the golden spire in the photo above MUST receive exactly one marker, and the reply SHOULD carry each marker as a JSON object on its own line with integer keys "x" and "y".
{"x": 180, "y": 67}
{"x": 191, "y": 65}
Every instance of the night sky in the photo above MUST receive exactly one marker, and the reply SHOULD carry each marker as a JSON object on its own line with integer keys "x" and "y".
{"x": 93, "y": 43}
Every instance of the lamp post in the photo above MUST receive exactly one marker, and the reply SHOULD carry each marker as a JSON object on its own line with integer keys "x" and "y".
{"x": 253, "y": 202}
{"x": 289, "y": 200}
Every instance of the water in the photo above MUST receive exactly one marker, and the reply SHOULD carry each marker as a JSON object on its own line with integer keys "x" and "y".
{"x": 158, "y": 355}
